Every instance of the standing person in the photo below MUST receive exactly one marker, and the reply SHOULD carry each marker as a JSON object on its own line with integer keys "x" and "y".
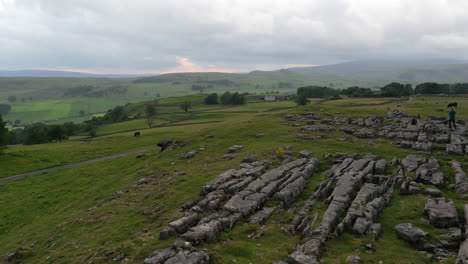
{"x": 452, "y": 114}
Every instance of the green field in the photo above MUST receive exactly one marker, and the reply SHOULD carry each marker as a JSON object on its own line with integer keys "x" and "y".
{"x": 58, "y": 100}
{"x": 73, "y": 215}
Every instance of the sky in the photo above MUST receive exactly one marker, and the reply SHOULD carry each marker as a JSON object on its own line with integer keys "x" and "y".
{"x": 153, "y": 36}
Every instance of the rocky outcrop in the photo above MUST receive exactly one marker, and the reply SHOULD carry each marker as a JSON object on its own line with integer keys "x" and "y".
{"x": 317, "y": 128}
{"x": 242, "y": 192}
{"x": 348, "y": 195}
{"x": 409, "y": 233}
{"x": 462, "y": 257}
{"x": 180, "y": 252}
{"x": 441, "y": 212}
{"x": 461, "y": 181}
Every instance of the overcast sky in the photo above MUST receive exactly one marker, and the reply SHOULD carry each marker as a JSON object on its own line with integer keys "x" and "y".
{"x": 153, "y": 36}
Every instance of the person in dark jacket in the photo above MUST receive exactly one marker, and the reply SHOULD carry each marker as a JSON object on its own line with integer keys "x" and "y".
{"x": 452, "y": 114}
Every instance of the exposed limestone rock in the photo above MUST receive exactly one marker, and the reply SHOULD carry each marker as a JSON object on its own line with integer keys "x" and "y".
{"x": 317, "y": 128}
{"x": 409, "y": 233}
{"x": 441, "y": 212}
{"x": 454, "y": 149}
{"x": 181, "y": 225}
{"x": 262, "y": 215}
{"x": 412, "y": 162}
{"x": 380, "y": 166}
{"x": 188, "y": 155}
{"x": 235, "y": 148}
{"x": 299, "y": 258}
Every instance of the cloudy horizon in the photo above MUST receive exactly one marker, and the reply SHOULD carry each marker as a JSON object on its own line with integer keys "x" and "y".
{"x": 109, "y": 36}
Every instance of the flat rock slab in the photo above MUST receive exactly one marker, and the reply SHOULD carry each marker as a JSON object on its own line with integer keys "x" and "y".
{"x": 442, "y": 212}
{"x": 262, "y": 215}
{"x": 409, "y": 233}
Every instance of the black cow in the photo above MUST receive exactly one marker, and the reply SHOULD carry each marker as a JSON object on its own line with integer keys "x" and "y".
{"x": 136, "y": 134}
{"x": 455, "y": 104}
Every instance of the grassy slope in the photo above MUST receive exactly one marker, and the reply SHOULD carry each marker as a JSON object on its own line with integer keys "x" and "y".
{"x": 72, "y": 215}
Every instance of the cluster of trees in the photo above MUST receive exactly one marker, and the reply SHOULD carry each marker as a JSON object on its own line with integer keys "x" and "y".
{"x": 4, "y": 109}
{"x": 226, "y": 98}
{"x": 356, "y": 91}
{"x": 3, "y": 134}
{"x": 441, "y": 88}
{"x": 395, "y": 89}
{"x": 318, "y": 92}
{"x": 39, "y": 133}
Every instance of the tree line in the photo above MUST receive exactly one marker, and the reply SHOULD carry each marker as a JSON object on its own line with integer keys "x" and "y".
{"x": 226, "y": 98}
{"x": 393, "y": 89}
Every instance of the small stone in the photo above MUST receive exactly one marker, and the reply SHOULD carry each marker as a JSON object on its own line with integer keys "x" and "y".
{"x": 250, "y": 159}
{"x": 353, "y": 259}
{"x": 305, "y": 153}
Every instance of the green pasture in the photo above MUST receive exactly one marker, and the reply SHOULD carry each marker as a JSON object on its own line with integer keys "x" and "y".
{"x": 73, "y": 215}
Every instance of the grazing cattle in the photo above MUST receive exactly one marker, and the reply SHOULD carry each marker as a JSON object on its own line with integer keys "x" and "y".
{"x": 136, "y": 134}
{"x": 455, "y": 104}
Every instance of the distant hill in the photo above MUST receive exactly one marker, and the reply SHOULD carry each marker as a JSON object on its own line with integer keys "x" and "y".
{"x": 49, "y": 73}
{"x": 416, "y": 71}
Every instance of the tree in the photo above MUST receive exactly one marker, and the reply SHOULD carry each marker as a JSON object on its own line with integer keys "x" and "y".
{"x": 71, "y": 128}
{"x": 186, "y": 105}
{"x": 318, "y": 92}
{"x": 15, "y": 136}
{"x": 226, "y": 98}
{"x": 302, "y": 100}
{"x": 356, "y": 91}
{"x": 150, "y": 111}
{"x": 4, "y": 109}
{"x": 56, "y": 132}
{"x": 11, "y": 98}
{"x": 212, "y": 99}
{"x": 396, "y": 89}
{"x": 36, "y": 134}
{"x": 3, "y": 134}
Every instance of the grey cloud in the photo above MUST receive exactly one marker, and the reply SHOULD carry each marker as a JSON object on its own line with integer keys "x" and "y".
{"x": 244, "y": 35}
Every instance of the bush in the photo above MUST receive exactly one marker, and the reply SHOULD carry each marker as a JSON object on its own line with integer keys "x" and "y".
{"x": 212, "y": 99}
{"x": 228, "y": 98}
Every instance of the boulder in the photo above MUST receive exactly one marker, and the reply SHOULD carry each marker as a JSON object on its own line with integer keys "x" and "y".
{"x": 261, "y": 216}
{"x": 454, "y": 149}
{"x": 433, "y": 192}
{"x": 462, "y": 257}
{"x": 305, "y": 153}
{"x": 300, "y": 258}
{"x": 250, "y": 159}
{"x": 165, "y": 143}
{"x": 188, "y": 155}
{"x": 160, "y": 256}
{"x": 235, "y": 148}
{"x": 441, "y": 212}
{"x": 187, "y": 257}
{"x": 412, "y": 162}
{"x": 317, "y": 128}
{"x": 181, "y": 225}
{"x": 380, "y": 166}
{"x": 206, "y": 232}
{"x": 409, "y": 233}
{"x": 353, "y": 259}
